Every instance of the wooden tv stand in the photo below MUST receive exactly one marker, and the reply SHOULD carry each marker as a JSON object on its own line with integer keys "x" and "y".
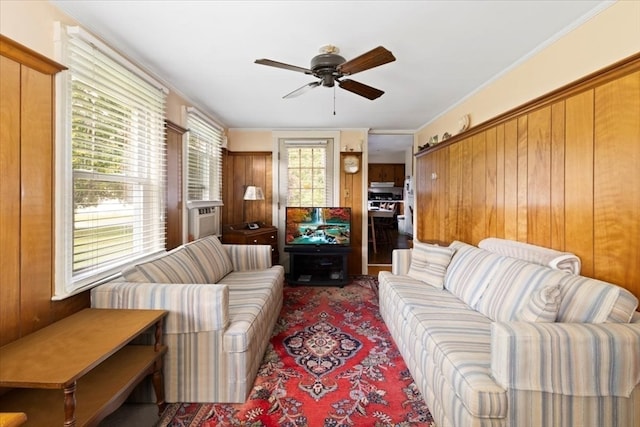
{"x": 78, "y": 370}
{"x": 318, "y": 265}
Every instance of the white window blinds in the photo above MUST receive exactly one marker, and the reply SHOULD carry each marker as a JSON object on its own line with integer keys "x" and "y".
{"x": 116, "y": 188}
{"x": 204, "y": 152}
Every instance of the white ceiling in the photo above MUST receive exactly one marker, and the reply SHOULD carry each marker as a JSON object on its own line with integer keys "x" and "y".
{"x": 445, "y": 50}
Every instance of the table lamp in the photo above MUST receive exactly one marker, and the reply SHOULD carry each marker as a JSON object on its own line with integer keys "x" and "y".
{"x": 252, "y": 192}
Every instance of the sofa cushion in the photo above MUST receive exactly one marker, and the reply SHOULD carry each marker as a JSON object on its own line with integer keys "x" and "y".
{"x": 587, "y": 300}
{"x": 470, "y": 271}
{"x": 429, "y": 263}
{"x": 250, "y": 292}
{"x": 211, "y": 257}
{"x": 461, "y": 347}
{"x": 520, "y": 290}
{"x": 436, "y": 325}
{"x": 174, "y": 267}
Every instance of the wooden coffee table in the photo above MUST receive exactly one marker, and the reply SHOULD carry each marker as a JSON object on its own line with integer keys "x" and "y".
{"x": 78, "y": 370}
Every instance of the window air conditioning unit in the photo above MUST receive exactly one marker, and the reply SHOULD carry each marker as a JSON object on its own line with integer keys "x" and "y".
{"x": 204, "y": 222}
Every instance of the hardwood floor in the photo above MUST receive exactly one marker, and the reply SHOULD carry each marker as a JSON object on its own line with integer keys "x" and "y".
{"x": 395, "y": 241}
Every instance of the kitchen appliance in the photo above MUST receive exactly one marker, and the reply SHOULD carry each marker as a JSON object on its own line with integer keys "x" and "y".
{"x": 408, "y": 196}
{"x": 384, "y": 193}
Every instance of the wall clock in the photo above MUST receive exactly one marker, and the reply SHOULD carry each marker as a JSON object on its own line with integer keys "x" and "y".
{"x": 351, "y": 164}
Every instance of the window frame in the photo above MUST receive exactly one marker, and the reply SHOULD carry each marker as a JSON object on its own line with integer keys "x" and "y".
{"x": 66, "y": 281}
{"x": 191, "y": 113}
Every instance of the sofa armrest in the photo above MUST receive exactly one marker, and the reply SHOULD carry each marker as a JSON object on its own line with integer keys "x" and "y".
{"x": 249, "y": 257}
{"x": 192, "y": 307}
{"x": 400, "y": 261}
{"x": 579, "y": 359}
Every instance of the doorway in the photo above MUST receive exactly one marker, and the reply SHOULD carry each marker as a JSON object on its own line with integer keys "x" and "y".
{"x": 390, "y": 164}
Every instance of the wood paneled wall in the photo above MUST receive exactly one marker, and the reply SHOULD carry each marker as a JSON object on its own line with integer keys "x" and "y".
{"x": 351, "y": 195}
{"x": 27, "y": 194}
{"x": 174, "y": 184}
{"x": 239, "y": 170}
{"x": 562, "y": 171}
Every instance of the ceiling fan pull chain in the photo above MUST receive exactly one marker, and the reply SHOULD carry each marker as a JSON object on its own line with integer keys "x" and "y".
{"x": 334, "y": 100}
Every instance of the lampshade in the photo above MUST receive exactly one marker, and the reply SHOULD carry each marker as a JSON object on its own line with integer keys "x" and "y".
{"x": 253, "y": 193}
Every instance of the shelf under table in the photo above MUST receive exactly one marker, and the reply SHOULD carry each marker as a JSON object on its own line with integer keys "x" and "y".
{"x": 78, "y": 370}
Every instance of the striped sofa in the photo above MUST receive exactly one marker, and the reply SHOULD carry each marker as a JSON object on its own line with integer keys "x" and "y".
{"x": 223, "y": 302}
{"x": 493, "y": 340}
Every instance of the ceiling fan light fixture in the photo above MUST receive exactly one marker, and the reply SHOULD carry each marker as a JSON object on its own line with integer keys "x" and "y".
{"x": 329, "y": 48}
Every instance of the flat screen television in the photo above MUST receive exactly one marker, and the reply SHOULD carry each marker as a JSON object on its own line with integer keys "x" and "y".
{"x": 318, "y": 226}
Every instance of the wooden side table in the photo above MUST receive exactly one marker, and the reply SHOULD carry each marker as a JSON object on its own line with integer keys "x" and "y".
{"x": 12, "y": 419}
{"x": 265, "y": 235}
{"x": 78, "y": 370}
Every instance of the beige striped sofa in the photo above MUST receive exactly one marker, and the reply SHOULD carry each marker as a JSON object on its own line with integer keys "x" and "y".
{"x": 223, "y": 302}
{"x": 493, "y": 340}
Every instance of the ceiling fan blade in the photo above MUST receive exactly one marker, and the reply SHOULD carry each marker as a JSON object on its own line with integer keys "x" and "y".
{"x": 277, "y": 64}
{"x": 302, "y": 90}
{"x": 371, "y": 59}
{"x": 360, "y": 89}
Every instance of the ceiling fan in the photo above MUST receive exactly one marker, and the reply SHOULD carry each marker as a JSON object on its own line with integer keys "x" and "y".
{"x": 329, "y": 67}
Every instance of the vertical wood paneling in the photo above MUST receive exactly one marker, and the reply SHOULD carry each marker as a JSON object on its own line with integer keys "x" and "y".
{"x": 478, "y": 169}
{"x": 239, "y": 170}
{"x": 500, "y": 182}
{"x": 579, "y": 178}
{"x": 466, "y": 196}
{"x": 454, "y": 192}
{"x": 428, "y": 188}
{"x": 27, "y": 194}
{"x": 539, "y": 178}
{"x": 491, "y": 183}
{"x": 240, "y": 181}
{"x": 561, "y": 171}
{"x": 511, "y": 180}
{"x": 9, "y": 200}
{"x": 174, "y": 185}
{"x": 351, "y": 196}
{"x": 557, "y": 176}
{"x": 422, "y": 189}
{"x": 442, "y": 219}
{"x": 521, "y": 179}
{"x": 36, "y": 225}
{"x": 616, "y": 168}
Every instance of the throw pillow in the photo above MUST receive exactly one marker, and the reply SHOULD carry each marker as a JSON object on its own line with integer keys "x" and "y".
{"x": 543, "y": 305}
{"x": 174, "y": 267}
{"x": 587, "y": 300}
{"x": 211, "y": 257}
{"x": 512, "y": 288}
{"x": 429, "y": 263}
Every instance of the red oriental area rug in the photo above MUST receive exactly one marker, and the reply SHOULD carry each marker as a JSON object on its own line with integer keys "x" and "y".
{"x": 331, "y": 362}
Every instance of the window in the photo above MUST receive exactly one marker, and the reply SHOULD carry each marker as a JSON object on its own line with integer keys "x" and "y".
{"x": 111, "y": 183}
{"x": 204, "y": 153}
{"x": 305, "y": 170}
{"x": 306, "y": 175}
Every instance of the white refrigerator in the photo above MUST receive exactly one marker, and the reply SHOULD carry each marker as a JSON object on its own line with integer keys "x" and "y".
{"x": 408, "y": 206}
